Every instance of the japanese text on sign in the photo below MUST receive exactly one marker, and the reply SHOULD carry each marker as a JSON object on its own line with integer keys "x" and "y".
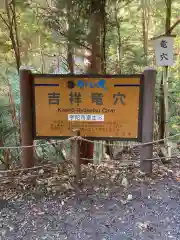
{"x": 85, "y": 117}
{"x": 99, "y": 107}
{"x": 75, "y": 98}
{"x": 164, "y": 51}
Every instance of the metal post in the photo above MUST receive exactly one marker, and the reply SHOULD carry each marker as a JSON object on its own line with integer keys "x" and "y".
{"x": 27, "y": 157}
{"x": 148, "y": 119}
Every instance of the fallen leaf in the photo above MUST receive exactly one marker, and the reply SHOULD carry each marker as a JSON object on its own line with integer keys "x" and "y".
{"x": 145, "y": 226}
{"x": 41, "y": 171}
{"x": 129, "y": 197}
{"x": 124, "y": 182}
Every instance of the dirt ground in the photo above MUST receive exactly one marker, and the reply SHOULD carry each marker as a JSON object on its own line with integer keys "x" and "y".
{"x": 111, "y": 203}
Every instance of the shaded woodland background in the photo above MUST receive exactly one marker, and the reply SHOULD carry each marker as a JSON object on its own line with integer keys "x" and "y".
{"x": 82, "y": 36}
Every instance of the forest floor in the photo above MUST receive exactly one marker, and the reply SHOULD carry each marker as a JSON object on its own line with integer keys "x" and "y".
{"x": 111, "y": 203}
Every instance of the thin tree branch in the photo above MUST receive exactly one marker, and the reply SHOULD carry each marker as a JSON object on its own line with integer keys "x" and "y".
{"x": 16, "y": 30}
{"x": 173, "y": 26}
{"x": 169, "y": 31}
{"x": 11, "y": 34}
{"x": 5, "y": 22}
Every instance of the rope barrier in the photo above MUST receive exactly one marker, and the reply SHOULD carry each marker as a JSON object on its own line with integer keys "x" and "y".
{"x": 90, "y": 141}
{"x": 27, "y": 169}
{"x": 133, "y": 145}
{"x": 56, "y": 165}
{"x": 136, "y": 160}
{"x": 87, "y": 140}
{"x": 37, "y": 145}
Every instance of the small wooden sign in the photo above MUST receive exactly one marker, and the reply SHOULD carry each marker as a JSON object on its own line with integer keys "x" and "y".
{"x": 102, "y": 107}
{"x": 163, "y": 47}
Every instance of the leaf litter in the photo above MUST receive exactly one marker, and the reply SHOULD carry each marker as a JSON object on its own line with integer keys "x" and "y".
{"x": 110, "y": 201}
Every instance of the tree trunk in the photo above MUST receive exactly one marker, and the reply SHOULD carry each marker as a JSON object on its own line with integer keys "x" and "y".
{"x": 103, "y": 36}
{"x": 166, "y": 149}
{"x": 70, "y": 58}
{"x": 96, "y": 56}
{"x": 5, "y": 160}
{"x": 145, "y": 26}
{"x": 118, "y": 23}
{"x": 16, "y": 34}
{"x": 162, "y": 110}
{"x": 13, "y": 31}
{"x": 69, "y": 43}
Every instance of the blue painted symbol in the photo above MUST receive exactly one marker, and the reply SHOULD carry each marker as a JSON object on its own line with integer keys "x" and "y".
{"x": 91, "y": 85}
{"x": 100, "y": 84}
{"x": 80, "y": 83}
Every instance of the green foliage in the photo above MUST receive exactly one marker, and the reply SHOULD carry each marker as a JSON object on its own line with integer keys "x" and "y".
{"x": 45, "y": 31}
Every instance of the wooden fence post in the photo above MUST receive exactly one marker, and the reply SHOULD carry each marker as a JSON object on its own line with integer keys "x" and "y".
{"x": 27, "y": 158}
{"x": 76, "y": 155}
{"x": 148, "y": 119}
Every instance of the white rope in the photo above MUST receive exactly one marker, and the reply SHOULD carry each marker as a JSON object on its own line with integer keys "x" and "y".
{"x": 132, "y": 145}
{"x": 90, "y": 141}
{"x": 50, "y": 166}
{"x": 37, "y": 145}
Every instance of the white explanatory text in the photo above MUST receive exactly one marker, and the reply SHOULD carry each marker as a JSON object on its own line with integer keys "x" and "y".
{"x": 86, "y": 117}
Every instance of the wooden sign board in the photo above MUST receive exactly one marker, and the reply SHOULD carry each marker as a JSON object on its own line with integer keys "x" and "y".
{"x": 163, "y": 47}
{"x": 102, "y": 107}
